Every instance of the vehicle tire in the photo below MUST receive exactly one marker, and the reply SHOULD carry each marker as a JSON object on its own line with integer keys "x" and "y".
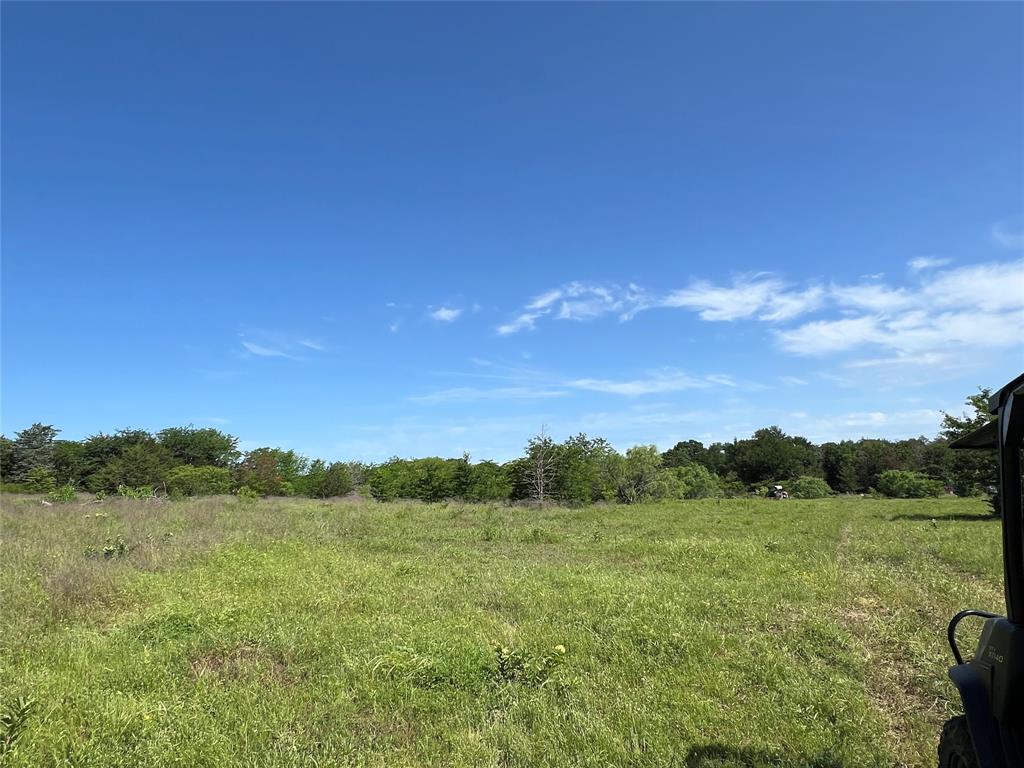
{"x": 956, "y": 750}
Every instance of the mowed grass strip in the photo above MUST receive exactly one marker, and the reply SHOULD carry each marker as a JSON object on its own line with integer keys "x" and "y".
{"x": 301, "y": 633}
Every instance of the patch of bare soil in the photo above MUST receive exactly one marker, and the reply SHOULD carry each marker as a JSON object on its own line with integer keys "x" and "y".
{"x": 241, "y": 662}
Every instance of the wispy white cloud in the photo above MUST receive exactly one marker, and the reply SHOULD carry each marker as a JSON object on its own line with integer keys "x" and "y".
{"x": 577, "y": 300}
{"x": 659, "y": 382}
{"x": 922, "y": 263}
{"x": 821, "y": 336}
{"x": 525, "y": 321}
{"x": 261, "y": 351}
{"x": 928, "y": 359}
{"x": 763, "y": 296}
{"x": 942, "y": 314}
{"x": 446, "y": 314}
{"x": 973, "y": 307}
{"x": 264, "y": 343}
{"x": 872, "y": 297}
{"x": 463, "y": 394}
{"x": 1009, "y": 233}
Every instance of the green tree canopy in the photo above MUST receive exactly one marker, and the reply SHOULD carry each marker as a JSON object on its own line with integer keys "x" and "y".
{"x": 199, "y": 447}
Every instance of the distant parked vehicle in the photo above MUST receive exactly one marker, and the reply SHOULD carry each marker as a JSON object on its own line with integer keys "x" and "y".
{"x": 776, "y": 492}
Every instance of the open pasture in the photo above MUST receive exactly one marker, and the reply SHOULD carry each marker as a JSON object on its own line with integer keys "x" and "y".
{"x": 339, "y": 633}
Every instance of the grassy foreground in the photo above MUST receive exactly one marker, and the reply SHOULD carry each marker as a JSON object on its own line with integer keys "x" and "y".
{"x": 304, "y": 633}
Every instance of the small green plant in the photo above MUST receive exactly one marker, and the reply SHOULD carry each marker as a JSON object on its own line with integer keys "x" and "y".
{"x": 13, "y": 719}
{"x": 994, "y": 505}
{"x": 63, "y": 493}
{"x": 101, "y": 495}
{"x": 115, "y": 548}
{"x": 247, "y": 495}
{"x": 526, "y": 667}
{"x": 112, "y": 549}
{"x": 141, "y": 492}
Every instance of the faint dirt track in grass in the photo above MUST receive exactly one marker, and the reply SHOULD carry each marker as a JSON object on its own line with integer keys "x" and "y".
{"x": 915, "y": 704}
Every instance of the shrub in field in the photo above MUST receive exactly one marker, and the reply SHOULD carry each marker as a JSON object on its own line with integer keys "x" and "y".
{"x": 187, "y": 480}
{"x": 62, "y": 493}
{"x": 639, "y": 476}
{"x": 247, "y": 495}
{"x": 524, "y": 667}
{"x": 111, "y": 549}
{"x": 904, "y": 484}
{"x": 40, "y": 480}
{"x": 693, "y": 481}
{"x": 809, "y": 488}
{"x": 141, "y": 492}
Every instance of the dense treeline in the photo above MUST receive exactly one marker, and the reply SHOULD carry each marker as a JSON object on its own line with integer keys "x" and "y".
{"x": 188, "y": 461}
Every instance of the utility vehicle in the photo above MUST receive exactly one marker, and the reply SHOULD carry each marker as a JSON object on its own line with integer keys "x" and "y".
{"x": 990, "y": 733}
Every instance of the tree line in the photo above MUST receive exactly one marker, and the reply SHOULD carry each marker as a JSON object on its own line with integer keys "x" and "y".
{"x": 190, "y": 461}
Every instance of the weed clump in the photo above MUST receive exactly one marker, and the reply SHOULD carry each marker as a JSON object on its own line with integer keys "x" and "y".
{"x": 527, "y": 668}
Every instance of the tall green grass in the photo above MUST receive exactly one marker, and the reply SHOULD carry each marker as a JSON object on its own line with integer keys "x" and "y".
{"x": 303, "y": 633}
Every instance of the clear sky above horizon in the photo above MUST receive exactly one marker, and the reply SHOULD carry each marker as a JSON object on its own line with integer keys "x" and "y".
{"x": 406, "y": 229}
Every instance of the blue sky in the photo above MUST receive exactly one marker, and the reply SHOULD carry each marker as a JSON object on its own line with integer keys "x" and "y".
{"x": 372, "y": 230}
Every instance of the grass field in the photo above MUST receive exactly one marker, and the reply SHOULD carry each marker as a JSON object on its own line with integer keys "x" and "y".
{"x": 303, "y": 633}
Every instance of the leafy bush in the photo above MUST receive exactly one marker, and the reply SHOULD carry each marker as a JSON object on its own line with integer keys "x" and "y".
{"x": 247, "y": 495}
{"x": 904, "y": 484}
{"x": 693, "y": 481}
{"x": 187, "y": 480}
{"x": 62, "y": 493}
{"x": 524, "y": 667}
{"x": 809, "y": 488}
{"x": 638, "y": 476}
{"x": 111, "y": 549}
{"x": 40, "y": 480}
{"x": 141, "y": 492}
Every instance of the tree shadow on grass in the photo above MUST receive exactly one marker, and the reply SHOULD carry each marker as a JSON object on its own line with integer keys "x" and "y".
{"x": 723, "y": 756}
{"x": 959, "y": 517}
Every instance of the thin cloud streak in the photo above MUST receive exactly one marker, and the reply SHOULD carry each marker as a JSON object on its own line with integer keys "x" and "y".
{"x": 261, "y": 351}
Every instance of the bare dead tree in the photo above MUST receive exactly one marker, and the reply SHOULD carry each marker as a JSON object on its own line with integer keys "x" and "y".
{"x": 540, "y": 466}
